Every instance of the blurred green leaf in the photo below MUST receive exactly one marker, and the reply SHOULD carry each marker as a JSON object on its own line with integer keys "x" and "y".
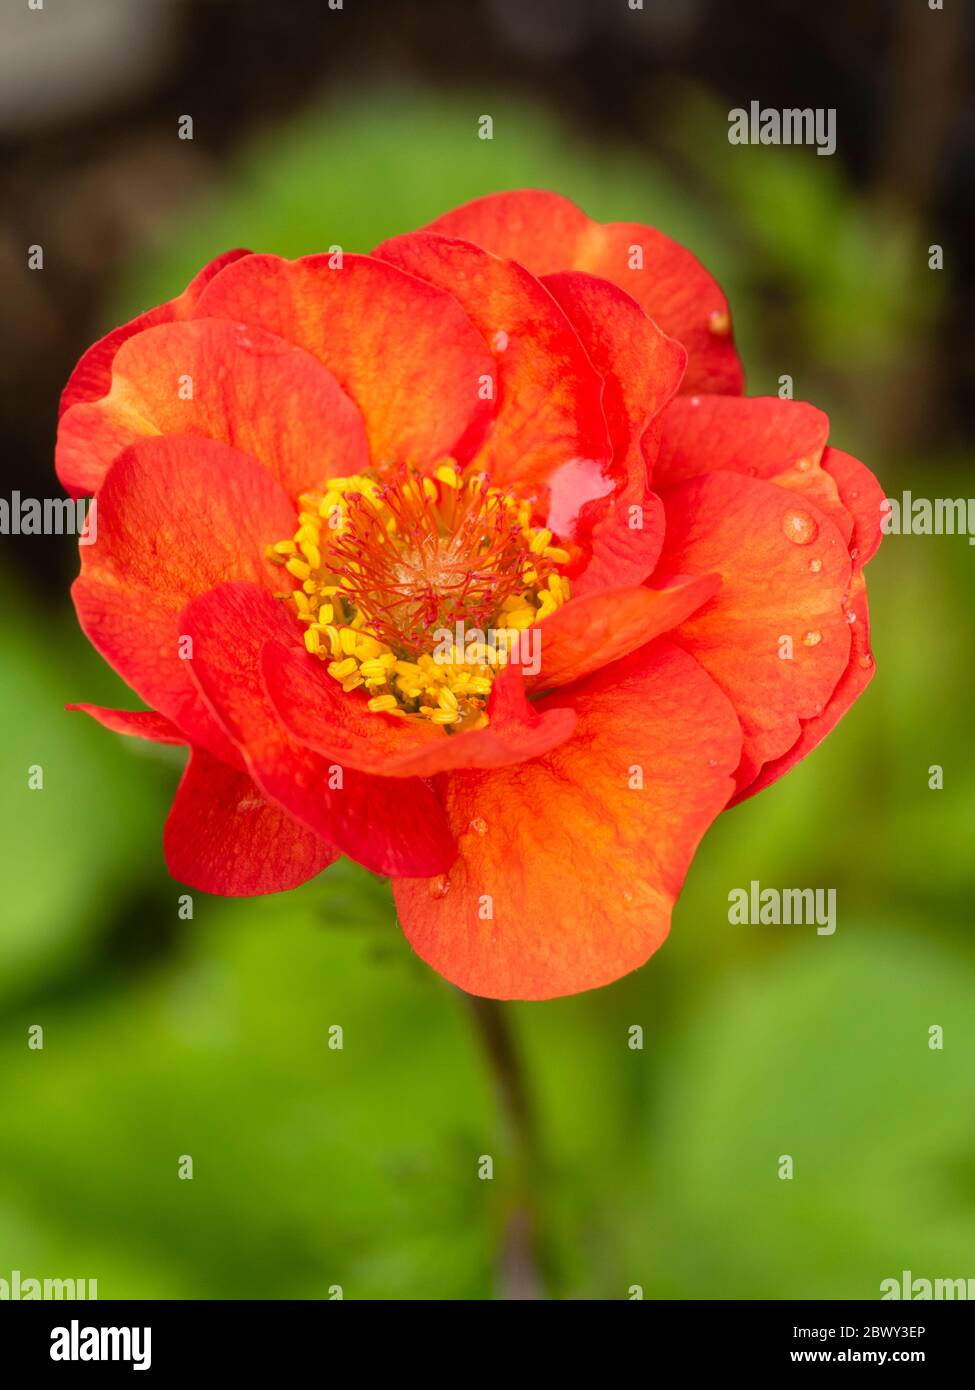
{"x": 312, "y": 1166}
{"x": 74, "y": 847}
{"x": 821, "y": 1054}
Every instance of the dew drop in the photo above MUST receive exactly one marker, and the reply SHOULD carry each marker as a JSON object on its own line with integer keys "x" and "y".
{"x": 804, "y": 464}
{"x": 866, "y": 661}
{"x": 850, "y": 616}
{"x": 478, "y": 825}
{"x": 712, "y": 762}
{"x": 800, "y": 527}
{"x": 627, "y": 895}
{"x": 815, "y": 566}
{"x": 813, "y": 638}
{"x": 695, "y": 400}
{"x": 440, "y": 886}
{"x": 719, "y": 323}
{"x": 854, "y": 552}
{"x": 500, "y": 340}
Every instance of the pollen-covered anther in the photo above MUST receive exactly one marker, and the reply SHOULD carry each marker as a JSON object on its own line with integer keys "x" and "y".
{"x": 390, "y": 571}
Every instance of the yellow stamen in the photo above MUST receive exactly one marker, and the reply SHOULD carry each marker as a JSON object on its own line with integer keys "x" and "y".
{"x": 382, "y": 704}
{"x": 385, "y": 567}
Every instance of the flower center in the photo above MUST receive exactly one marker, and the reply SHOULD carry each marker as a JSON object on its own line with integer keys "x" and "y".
{"x": 417, "y": 588}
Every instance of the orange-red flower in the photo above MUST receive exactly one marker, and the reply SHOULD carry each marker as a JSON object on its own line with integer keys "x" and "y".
{"x": 517, "y": 422}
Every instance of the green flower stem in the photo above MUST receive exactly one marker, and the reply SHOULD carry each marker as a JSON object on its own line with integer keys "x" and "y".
{"x": 519, "y": 1266}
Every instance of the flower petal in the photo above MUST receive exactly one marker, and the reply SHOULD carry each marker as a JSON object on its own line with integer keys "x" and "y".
{"x": 626, "y": 540}
{"x": 323, "y": 718}
{"x": 92, "y": 377}
{"x": 547, "y": 234}
{"x": 761, "y": 436}
{"x": 403, "y": 350}
{"x": 591, "y": 632}
{"x": 549, "y": 408}
{"x": 568, "y": 870}
{"x": 784, "y": 569}
{"x": 222, "y": 836}
{"x": 861, "y": 494}
{"x": 757, "y": 435}
{"x": 641, "y": 368}
{"x": 388, "y": 826}
{"x": 854, "y": 680}
{"x": 176, "y": 515}
{"x": 136, "y": 723}
{"x": 245, "y": 387}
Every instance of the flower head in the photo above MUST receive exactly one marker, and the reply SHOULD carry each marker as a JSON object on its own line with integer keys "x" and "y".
{"x": 467, "y": 559}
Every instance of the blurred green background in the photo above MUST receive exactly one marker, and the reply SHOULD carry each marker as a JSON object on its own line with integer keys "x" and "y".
{"x": 658, "y": 1167}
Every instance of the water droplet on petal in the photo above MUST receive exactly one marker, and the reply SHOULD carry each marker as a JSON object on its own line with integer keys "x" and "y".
{"x": 850, "y": 616}
{"x": 719, "y": 323}
{"x": 500, "y": 340}
{"x": 712, "y": 762}
{"x": 627, "y": 895}
{"x": 800, "y": 527}
{"x": 854, "y": 552}
{"x": 478, "y": 825}
{"x": 804, "y": 464}
{"x": 695, "y": 400}
{"x": 866, "y": 661}
{"x": 815, "y": 566}
{"x": 812, "y": 639}
{"x": 440, "y": 886}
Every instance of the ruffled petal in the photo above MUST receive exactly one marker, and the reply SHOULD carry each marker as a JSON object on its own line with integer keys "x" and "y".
{"x": 852, "y": 683}
{"x": 760, "y": 436}
{"x": 547, "y": 234}
{"x": 626, "y": 540}
{"x": 569, "y": 865}
{"x": 592, "y": 632}
{"x": 404, "y": 351}
{"x": 861, "y": 494}
{"x": 222, "y": 381}
{"x": 92, "y": 377}
{"x": 781, "y": 441}
{"x": 388, "y": 826}
{"x": 549, "y": 408}
{"x": 176, "y": 515}
{"x": 323, "y": 718}
{"x": 641, "y": 368}
{"x": 222, "y": 836}
{"x": 775, "y": 637}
